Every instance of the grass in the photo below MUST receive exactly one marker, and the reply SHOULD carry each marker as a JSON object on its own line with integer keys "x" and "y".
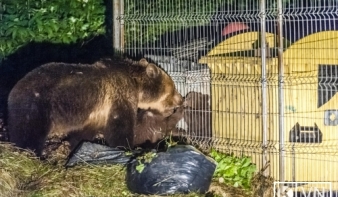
{"x": 24, "y": 175}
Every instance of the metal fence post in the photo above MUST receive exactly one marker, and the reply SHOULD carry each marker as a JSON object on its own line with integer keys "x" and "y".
{"x": 264, "y": 81}
{"x": 118, "y": 33}
{"x": 281, "y": 93}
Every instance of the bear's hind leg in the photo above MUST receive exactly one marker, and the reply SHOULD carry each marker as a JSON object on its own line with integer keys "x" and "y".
{"x": 28, "y": 126}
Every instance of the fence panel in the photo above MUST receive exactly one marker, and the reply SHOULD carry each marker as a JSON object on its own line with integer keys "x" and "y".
{"x": 214, "y": 49}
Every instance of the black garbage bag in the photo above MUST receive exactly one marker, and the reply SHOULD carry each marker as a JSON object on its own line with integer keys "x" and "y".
{"x": 88, "y": 152}
{"x": 181, "y": 169}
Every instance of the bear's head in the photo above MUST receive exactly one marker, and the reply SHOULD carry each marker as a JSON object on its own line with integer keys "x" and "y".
{"x": 197, "y": 114}
{"x": 197, "y": 101}
{"x": 152, "y": 126}
{"x": 157, "y": 90}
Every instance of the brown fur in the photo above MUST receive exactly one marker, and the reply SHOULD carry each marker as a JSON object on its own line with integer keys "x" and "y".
{"x": 197, "y": 114}
{"x": 64, "y": 100}
{"x": 152, "y": 126}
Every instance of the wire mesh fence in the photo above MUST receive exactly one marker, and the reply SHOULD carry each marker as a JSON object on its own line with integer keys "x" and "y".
{"x": 260, "y": 79}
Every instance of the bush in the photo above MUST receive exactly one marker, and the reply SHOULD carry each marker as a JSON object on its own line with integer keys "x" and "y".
{"x": 62, "y": 21}
{"x": 237, "y": 171}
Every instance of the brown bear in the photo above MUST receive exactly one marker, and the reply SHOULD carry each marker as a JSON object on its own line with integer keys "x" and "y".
{"x": 152, "y": 127}
{"x": 197, "y": 114}
{"x": 81, "y": 101}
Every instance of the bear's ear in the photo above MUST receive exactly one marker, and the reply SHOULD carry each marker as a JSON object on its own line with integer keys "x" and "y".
{"x": 152, "y": 70}
{"x": 143, "y": 62}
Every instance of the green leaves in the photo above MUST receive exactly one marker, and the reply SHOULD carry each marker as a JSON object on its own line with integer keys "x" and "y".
{"x": 57, "y": 21}
{"x": 234, "y": 170}
{"x": 140, "y": 167}
{"x": 143, "y": 159}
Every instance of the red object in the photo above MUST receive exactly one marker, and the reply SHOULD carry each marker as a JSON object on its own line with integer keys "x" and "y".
{"x": 233, "y": 27}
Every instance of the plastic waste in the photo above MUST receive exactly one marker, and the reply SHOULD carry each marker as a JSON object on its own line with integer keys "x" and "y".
{"x": 181, "y": 169}
{"x": 88, "y": 152}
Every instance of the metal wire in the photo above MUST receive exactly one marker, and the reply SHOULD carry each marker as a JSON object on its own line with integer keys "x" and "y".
{"x": 216, "y": 49}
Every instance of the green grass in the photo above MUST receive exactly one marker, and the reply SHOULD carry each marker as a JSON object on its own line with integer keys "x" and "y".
{"x": 24, "y": 175}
